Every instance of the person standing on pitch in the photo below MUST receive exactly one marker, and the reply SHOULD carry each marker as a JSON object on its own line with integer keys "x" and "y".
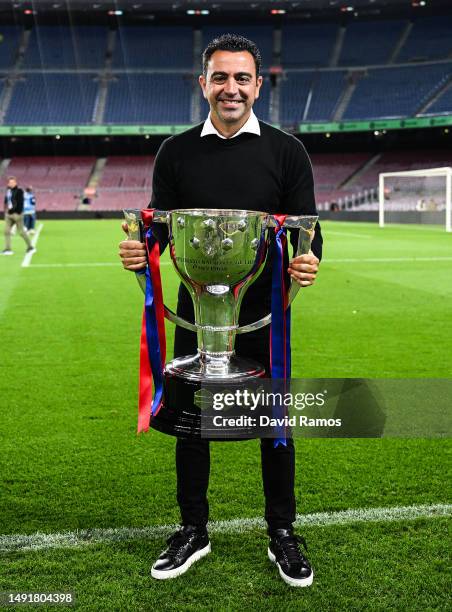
{"x": 234, "y": 161}
{"x": 14, "y": 209}
{"x": 29, "y": 210}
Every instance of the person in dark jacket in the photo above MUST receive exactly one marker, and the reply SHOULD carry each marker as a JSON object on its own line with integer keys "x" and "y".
{"x": 14, "y": 215}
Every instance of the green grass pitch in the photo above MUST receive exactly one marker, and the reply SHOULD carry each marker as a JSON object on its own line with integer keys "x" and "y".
{"x": 70, "y": 458}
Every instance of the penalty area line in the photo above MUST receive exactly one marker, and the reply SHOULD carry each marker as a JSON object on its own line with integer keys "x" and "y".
{"x": 27, "y": 259}
{"x": 102, "y": 264}
{"x": 86, "y": 537}
{"x": 385, "y": 259}
{"x": 95, "y": 264}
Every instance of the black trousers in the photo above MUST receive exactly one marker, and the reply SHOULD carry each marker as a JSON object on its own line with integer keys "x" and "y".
{"x": 193, "y": 455}
{"x": 278, "y": 476}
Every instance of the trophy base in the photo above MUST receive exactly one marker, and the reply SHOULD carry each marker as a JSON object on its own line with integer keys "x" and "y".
{"x": 185, "y": 380}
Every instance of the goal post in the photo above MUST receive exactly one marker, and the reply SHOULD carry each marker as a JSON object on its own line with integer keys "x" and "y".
{"x": 418, "y": 190}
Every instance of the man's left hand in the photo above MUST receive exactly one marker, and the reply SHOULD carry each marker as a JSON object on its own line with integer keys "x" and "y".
{"x": 303, "y": 269}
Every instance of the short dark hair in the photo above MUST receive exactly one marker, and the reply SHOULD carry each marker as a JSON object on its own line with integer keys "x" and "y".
{"x": 231, "y": 42}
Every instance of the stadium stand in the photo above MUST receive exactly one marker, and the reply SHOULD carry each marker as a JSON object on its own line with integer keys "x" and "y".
{"x": 127, "y": 173}
{"x": 396, "y": 92}
{"x": 430, "y": 39}
{"x": 149, "y": 99}
{"x": 64, "y": 47}
{"x": 307, "y": 45}
{"x": 327, "y": 88}
{"x": 57, "y": 181}
{"x": 332, "y": 170}
{"x": 92, "y": 75}
{"x": 48, "y": 172}
{"x": 120, "y": 199}
{"x": 295, "y": 90}
{"x": 370, "y": 42}
{"x": 395, "y": 161}
{"x": 9, "y": 45}
{"x": 125, "y": 181}
{"x": 444, "y": 103}
{"x": 51, "y": 98}
{"x": 154, "y": 47}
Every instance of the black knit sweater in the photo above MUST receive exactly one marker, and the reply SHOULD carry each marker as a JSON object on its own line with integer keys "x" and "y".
{"x": 271, "y": 173}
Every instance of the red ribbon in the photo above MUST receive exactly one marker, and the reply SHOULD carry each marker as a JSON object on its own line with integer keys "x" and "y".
{"x": 153, "y": 340}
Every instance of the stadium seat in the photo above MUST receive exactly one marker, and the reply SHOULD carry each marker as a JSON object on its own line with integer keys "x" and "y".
{"x": 370, "y": 42}
{"x": 430, "y": 39}
{"x": 322, "y": 89}
{"x": 307, "y": 45}
{"x": 153, "y": 47}
{"x": 149, "y": 99}
{"x": 443, "y": 104}
{"x": 127, "y": 172}
{"x": 51, "y": 98}
{"x": 66, "y": 47}
{"x": 396, "y": 92}
{"x": 9, "y": 45}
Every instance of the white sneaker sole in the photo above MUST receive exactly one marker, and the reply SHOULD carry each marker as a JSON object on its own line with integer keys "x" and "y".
{"x": 178, "y": 571}
{"x": 302, "y": 582}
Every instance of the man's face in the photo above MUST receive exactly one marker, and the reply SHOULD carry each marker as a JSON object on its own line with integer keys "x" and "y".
{"x": 12, "y": 183}
{"x": 230, "y": 86}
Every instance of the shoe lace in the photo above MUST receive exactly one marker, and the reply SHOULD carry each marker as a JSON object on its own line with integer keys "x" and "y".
{"x": 290, "y": 546}
{"x": 176, "y": 542}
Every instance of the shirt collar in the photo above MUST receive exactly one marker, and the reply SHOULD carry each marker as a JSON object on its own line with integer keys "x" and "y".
{"x": 251, "y": 126}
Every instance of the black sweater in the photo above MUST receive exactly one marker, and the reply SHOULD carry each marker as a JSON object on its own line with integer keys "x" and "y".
{"x": 17, "y": 200}
{"x": 271, "y": 173}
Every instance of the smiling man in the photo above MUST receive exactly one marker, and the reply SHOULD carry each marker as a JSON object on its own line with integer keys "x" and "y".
{"x": 234, "y": 161}
{"x": 230, "y": 84}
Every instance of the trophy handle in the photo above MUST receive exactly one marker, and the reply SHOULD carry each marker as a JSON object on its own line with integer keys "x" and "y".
{"x": 133, "y": 218}
{"x": 306, "y": 227}
{"x": 305, "y": 237}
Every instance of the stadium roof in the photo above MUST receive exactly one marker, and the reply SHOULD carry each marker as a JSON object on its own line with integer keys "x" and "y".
{"x": 290, "y": 7}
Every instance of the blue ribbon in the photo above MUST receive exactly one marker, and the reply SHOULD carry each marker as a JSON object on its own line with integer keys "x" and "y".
{"x": 280, "y": 328}
{"x": 152, "y": 336}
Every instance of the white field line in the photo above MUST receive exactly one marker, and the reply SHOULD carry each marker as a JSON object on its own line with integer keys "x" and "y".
{"x": 329, "y": 232}
{"x": 95, "y": 264}
{"x": 329, "y": 260}
{"x": 27, "y": 259}
{"x": 385, "y": 259}
{"x": 85, "y": 537}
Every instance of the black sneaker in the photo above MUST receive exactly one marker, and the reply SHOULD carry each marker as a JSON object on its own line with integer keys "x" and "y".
{"x": 31, "y": 250}
{"x": 284, "y": 550}
{"x": 187, "y": 545}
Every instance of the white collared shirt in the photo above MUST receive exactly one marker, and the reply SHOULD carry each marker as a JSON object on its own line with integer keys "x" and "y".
{"x": 252, "y": 126}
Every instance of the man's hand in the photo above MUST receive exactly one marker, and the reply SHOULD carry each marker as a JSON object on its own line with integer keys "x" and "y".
{"x": 303, "y": 269}
{"x": 132, "y": 253}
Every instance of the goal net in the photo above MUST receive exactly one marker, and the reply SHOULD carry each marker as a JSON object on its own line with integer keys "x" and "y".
{"x": 416, "y": 196}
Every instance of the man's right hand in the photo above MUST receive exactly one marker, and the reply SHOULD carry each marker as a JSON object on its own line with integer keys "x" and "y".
{"x": 132, "y": 253}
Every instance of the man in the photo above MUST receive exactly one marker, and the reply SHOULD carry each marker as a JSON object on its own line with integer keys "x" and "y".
{"x": 14, "y": 206}
{"x": 233, "y": 161}
{"x": 29, "y": 210}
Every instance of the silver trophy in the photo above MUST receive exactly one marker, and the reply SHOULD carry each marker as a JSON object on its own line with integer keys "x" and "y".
{"x": 217, "y": 254}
